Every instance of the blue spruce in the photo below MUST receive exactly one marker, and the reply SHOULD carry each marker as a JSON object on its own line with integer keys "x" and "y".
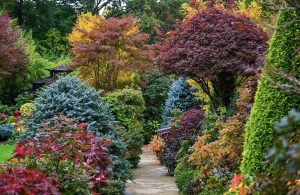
{"x": 180, "y": 96}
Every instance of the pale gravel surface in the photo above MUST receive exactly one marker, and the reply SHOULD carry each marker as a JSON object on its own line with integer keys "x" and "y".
{"x": 150, "y": 178}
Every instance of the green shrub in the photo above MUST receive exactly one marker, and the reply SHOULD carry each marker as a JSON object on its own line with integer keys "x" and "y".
{"x": 6, "y": 132}
{"x": 128, "y": 106}
{"x": 155, "y": 93}
{"x": 9, "y": 110}
{"x": 75, "y": 100}
{"x": 185, "y": 173}
{"x": 271, "y": 103}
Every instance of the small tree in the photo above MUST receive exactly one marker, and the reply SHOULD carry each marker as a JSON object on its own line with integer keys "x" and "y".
{"x": 180, "y": 96}
{"x": 104, "y": 49}
{"x": 214, "y": 46}
{"x": 12, "y": 55}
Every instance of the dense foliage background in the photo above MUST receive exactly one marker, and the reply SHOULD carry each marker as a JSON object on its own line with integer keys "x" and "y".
{"x": 211, "y": 85}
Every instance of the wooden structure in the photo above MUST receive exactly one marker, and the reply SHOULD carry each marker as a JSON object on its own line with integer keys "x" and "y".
{"x": 164, "y": 131}
{"x": 61, "y": 70}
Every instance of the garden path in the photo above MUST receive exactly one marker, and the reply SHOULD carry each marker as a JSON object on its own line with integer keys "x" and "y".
{"x": 150, "y": 178}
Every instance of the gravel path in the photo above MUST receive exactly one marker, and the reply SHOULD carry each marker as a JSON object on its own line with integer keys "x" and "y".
{"x": 150, "y": 178}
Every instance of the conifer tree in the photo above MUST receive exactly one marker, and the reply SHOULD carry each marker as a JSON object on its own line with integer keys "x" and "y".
{"x": 272, "y": 103}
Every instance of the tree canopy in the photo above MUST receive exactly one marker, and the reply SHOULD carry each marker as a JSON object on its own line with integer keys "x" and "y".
{"x": 104, "y": 49}
{"x": 12, "y": 55}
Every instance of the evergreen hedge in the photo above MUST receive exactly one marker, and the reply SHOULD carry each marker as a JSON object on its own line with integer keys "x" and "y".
{"x": 272, "y": 103}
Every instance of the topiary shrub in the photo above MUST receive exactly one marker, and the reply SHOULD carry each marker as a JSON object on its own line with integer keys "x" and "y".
{"x": 272, "y": 103}
{"x": 128, "y": 106}
{"x": 180, "y": 96}
{"x": 85, "y": 105}
{"x": 6, "y": 131}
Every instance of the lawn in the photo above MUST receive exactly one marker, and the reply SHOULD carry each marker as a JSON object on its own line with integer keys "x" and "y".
{"x": 5, "y": 152}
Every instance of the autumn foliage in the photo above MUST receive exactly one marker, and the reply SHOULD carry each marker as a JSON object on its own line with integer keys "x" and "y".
{"x": 107, "y": 49}
{"x": 12, "y": 56}
{"x": 65, "y": 148}
{"x": 188, "y": 128}
{"x": 214, "y": 46}
{"x": 222, "y": 157}
{"x": 22, "y": 181}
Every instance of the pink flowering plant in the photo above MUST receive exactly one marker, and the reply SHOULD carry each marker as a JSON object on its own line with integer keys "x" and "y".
{"x": 66, "y": 151}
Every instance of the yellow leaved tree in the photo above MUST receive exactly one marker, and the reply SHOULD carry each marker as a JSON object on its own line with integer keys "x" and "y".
{"x": 108, "y": 53}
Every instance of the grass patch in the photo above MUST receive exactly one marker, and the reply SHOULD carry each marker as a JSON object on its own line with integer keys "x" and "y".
{"x": 6, "y": 152}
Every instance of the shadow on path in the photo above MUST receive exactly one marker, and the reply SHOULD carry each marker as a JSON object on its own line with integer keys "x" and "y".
{"x": 150, "y": 178}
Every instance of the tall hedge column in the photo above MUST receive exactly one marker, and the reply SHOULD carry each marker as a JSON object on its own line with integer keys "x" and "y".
{"x": 271, "y": 103}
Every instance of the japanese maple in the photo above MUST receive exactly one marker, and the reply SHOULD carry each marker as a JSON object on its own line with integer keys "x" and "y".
{"x": 12, "y": 55}
{"x": 215, "y": 47}
{"x": 106, "y": 49}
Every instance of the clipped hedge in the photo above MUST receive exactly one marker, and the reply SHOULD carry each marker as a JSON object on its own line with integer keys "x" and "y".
{"x": 271, "y": 103}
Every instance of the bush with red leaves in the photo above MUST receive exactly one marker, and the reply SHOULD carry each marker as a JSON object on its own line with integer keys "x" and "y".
{"x": 22, "y": 181}
{"x": 64, "y": 150}
{"x": 215, "y": 46}
{"x": 189, "y": 126}
{"x": 12, "y": 55}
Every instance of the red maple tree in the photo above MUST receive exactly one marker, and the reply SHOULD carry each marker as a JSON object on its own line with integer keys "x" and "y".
{"x": 12, "y": 55}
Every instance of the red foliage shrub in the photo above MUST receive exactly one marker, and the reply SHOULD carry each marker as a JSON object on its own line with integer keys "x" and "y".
{"x": 12, "y": 55}
{"x": 22, "y": 181}
{"x": 190, "y": 123}
{"x": 67, "y": 143}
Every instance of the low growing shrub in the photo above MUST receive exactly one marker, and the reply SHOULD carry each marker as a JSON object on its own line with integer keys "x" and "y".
{"x": 6, "y": 131}
{"x": 185, "y": 173}
{"x": 157, "y": 146}
{"x": 22, "y": 181}
{"x": 66, "y": 151}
